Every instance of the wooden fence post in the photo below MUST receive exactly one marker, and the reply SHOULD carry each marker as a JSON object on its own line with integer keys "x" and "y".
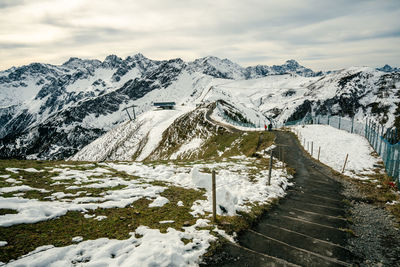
{"x": 319, "y": 151}
{"x": 352, "y": 124}
{"x": 345, "y": 161}
{"x": 312, "y": 147}
{"x": 214, "y": 197}
{"x": 270, "y": 167}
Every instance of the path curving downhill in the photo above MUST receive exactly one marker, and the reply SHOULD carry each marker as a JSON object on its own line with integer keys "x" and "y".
{"x": 306, "y": 228}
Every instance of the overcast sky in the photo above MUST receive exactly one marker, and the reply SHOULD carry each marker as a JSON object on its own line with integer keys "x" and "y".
{"x": 319, "y": 34}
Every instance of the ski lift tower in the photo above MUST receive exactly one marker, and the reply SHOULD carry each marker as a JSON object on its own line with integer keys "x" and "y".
{"x": 133, "y": 109}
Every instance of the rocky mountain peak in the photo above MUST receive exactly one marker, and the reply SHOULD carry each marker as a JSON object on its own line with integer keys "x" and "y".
{"x": 77, "y": 63}
{"x": 388, "y": 68}
{"x": 138, "y": 57}
{"x": 292, "y": 63}
{"x": 112, "y": 61}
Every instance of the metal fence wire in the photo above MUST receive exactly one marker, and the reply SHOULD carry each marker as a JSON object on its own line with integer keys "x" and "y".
{"x": 383, "y": 140}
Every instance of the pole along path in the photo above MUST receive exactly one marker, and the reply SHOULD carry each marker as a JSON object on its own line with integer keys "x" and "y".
{"x": 306, "y": 228}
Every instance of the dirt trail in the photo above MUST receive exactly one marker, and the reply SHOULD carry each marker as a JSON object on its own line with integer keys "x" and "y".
{"x": 306, "y": 228}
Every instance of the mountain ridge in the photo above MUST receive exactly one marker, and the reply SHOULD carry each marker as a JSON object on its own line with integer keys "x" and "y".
{"x": 51, "y": 112}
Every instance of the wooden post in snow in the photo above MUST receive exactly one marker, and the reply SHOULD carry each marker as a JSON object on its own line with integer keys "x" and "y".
{"x": 134, "y": 113}
{"x": 312, "y": 147}
{"x": 270, "y": 167}
{"x": 352, "y": 124}
{"x": 128, "y": 115}
{"x": 345, "y": 161}
{"x": 319, "y": 151}
{"x": 214, "y": 197}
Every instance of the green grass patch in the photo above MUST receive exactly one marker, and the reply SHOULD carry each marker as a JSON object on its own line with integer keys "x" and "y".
{"x": 235, "y": 144}
{"x": 7, "y": 211}
{"x": 24, "y": 238}
{"x": 44, "y": 178}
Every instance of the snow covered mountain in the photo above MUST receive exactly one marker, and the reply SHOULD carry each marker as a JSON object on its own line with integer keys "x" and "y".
{"x": 359, "y": 93}
{"x": 52, "y": 112}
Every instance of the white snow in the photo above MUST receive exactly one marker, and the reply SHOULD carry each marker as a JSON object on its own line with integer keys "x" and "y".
{"x": 14, "y": 93}
{"x": 335, "y": 144}
{"x": 193, "y": 144}
{"x": 166, "y": 221}
{"x": 20, "y": 188}
{"x": 13, "y": 170}
{"x": 13, "y": 181}
{"x": 153, "y": 248}
{"x": 158, "y": 122}
{"x": 31, "y": 170}
{"x": 235, "y": 192}
{"x": 100, "y": 218}
{"x": 142, "y": 135}
{"x": 31, "y": 210}
{"x": 159, "y": 202}
{"x": 77, "y": 239}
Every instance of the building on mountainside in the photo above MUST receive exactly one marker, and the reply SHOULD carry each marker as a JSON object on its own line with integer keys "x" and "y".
{"x": 164, "y": 105}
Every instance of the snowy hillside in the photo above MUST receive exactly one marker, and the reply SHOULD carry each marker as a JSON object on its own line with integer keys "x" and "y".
{"x": 138, "y": 138}
{"x": 359, "y": 91}
{"x": 52, "y": 112}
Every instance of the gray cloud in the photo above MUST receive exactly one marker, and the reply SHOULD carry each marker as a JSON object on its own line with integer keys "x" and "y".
{"x": 322, "y": 34}
{"x": 10, "y": 3}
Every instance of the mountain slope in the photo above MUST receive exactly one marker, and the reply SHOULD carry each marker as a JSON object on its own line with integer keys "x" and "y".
{"x": 51, "y": 112}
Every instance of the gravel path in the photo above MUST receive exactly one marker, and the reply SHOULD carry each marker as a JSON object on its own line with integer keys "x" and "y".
{"x": 377, "y": 240}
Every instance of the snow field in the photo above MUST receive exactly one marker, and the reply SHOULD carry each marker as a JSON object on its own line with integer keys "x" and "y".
{"x": 335, "y": 144}
{"x": 234, "y": 189}
{"x": 153, "y": 248}
{"x": 235, "y": 192}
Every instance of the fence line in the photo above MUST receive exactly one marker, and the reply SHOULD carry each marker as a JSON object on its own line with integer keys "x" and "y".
{"x": 384, "y": 141}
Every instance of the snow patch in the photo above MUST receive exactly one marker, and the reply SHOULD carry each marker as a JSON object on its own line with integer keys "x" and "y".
{"x": 153, "y": 248}
{"x": 192, "y": 145}
{"x": 77, "y": 239}
{"x": 159, "y": 202}
{"x": 167, "y": 221}
{"x": 335, "y": 144}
